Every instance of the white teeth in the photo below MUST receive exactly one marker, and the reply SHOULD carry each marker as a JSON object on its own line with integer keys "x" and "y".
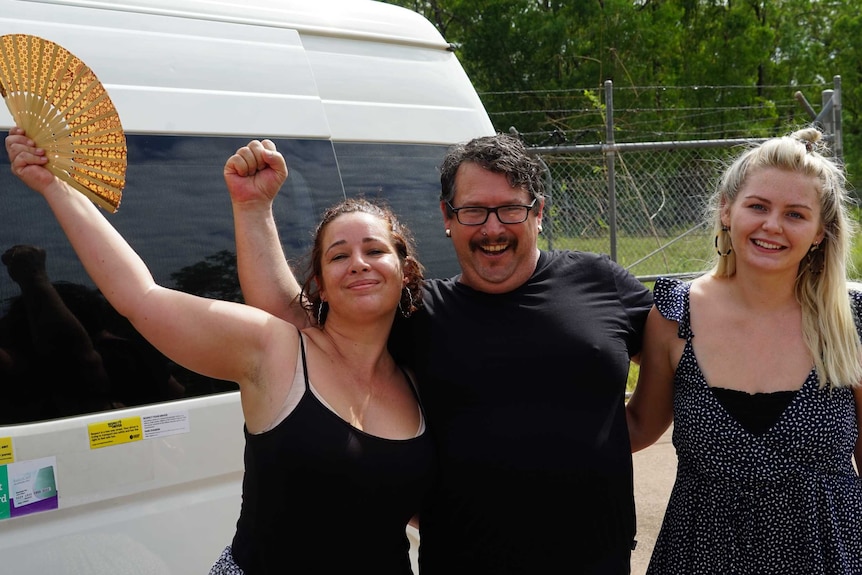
{"x": 767, "y": 245}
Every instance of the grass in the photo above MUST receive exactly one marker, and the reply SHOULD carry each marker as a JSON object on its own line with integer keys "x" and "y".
{"x": 645, "y": 256}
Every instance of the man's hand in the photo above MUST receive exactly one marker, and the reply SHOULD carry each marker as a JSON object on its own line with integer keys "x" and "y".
{"x": 255, "y": 173}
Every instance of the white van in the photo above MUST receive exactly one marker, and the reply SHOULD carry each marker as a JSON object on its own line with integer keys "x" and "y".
{"x": 361, "y": 97}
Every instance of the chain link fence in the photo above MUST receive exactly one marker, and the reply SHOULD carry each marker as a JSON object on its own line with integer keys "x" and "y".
{"x": 643, "y": 203}
{"x": 655, "y": 217}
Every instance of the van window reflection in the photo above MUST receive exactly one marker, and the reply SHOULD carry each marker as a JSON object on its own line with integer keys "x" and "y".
{"x": 64, "y": 351}
{"x": 67, "y": 352}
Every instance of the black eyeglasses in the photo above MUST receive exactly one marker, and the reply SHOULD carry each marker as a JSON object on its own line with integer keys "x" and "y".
{"x": 478, "y": 215}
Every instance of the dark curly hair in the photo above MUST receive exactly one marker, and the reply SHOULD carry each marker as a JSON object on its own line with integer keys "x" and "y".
{"x": 502, "y": 154}
{"x": 400, "y": 236}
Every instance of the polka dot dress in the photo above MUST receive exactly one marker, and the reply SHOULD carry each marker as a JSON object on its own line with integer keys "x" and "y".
{"x": 786, "y": 502}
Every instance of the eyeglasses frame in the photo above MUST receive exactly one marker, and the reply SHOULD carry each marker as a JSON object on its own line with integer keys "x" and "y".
{"x": 489, "y": 211}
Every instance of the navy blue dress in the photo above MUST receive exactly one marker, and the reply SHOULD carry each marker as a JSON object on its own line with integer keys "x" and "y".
{"x": 786, "y": 501}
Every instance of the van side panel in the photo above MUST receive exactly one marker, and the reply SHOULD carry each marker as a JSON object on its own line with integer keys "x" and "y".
{"x": 163, "y": 506}
{"x": 396, "y": 93}
{"x": 243, "y": 70}
{"x": 181, "y": 76}
{"x": 363, "y": 98}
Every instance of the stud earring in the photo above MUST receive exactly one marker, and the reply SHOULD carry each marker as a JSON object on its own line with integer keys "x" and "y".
{"x": 448, "y": 233}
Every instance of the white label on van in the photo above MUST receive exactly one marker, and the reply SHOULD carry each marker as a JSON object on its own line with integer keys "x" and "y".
{"x": 28, "y": 487}
{"x": 164, "y": 424}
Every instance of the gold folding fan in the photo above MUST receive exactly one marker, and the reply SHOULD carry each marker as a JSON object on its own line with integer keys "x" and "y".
{"x": 61, "y": 105}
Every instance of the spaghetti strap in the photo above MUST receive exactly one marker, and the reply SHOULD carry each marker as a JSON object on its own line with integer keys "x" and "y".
{"x": 304, "y": 363}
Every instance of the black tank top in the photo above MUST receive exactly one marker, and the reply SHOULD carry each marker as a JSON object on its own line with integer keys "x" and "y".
{"x": 321, "y": 496}
{"x": 756, "y": 412}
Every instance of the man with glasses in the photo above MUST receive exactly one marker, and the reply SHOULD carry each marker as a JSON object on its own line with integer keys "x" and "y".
{"x": 522, "y": 362}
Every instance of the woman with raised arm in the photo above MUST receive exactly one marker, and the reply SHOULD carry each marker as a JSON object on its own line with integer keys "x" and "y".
{"x": 335, "y": 437}
{"x": 757, "y": 363}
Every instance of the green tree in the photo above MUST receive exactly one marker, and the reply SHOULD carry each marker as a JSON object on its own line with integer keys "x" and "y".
{"x": 680, "y": 68}
{"x": 845, "y": 52}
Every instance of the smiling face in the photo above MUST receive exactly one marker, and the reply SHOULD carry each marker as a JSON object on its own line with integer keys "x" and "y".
{"x": 774, "y": 220}
{"x": 494, "y": 257}
{"x": 361, "y": 273}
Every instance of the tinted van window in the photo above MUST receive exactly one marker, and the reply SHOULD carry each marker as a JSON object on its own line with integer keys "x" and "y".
{"x": 408, "y": 178}
{"x": 176, "y": 214}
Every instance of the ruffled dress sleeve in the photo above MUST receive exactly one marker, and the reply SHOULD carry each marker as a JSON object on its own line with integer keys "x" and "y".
{"x": 671, "y": 300}
{"x": 856, "y": 304}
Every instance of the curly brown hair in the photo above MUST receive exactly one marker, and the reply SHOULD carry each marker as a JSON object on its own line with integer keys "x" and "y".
{"x": 400, "y": 236}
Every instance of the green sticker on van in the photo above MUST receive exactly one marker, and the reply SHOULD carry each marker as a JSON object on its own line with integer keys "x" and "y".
{"x": 4, "y": 493}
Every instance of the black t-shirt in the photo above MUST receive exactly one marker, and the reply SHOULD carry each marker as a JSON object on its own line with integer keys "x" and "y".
{"x": 525, "y": 395}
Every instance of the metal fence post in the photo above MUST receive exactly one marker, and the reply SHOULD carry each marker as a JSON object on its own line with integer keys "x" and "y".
{"x": 610, "y": 156}
{"x": 826, "y": 117}
{"x": 837, "y": 130}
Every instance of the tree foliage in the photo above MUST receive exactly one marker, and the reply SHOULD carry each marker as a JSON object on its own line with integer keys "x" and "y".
{"x": 681, "y": 69}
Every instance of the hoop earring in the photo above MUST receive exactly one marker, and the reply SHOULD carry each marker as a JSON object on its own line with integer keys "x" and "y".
{"x": 410, "y": 305}
{"x": 816, "y": 259}
{"x": 725, "y": 241}
{"x": 320, "y": 313}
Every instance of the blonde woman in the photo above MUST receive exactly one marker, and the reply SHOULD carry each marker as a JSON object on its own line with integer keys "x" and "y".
{"x": 757, "y": 363}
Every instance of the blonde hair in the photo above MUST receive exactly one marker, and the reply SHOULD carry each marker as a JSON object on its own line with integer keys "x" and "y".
{"x": 828, "y": 320}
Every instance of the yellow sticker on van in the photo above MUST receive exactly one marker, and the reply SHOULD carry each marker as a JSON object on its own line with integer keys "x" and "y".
{"x": 7, "y": 455}
{"x": 115, "y": 432}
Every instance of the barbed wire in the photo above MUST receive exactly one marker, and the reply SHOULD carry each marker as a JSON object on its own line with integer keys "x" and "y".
{"x": 569, "y": 120}
{"x": 658, "y": 87}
